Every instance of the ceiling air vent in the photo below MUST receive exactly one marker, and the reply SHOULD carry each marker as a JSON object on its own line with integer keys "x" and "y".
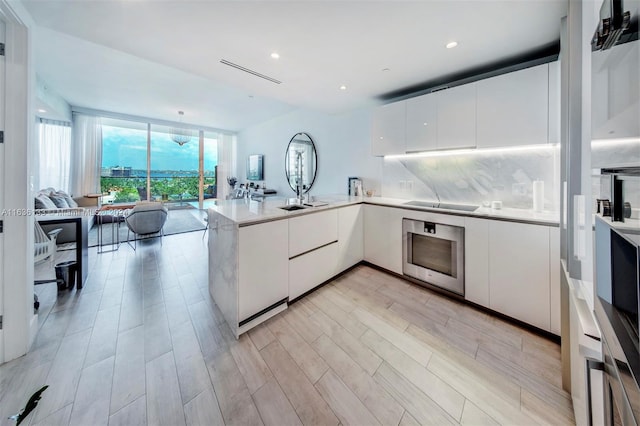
{"x": 247, "y": 70}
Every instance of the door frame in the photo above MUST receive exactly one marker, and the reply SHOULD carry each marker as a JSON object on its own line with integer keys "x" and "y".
{"x": 16, "y": 267}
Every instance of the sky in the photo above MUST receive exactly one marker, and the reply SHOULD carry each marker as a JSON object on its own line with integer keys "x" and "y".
{"x": 128, "y": 148}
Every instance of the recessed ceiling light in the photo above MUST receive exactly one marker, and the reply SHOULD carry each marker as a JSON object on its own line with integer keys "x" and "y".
{"x": 42, "y": 110}
{"x": 343, "y": 87}
{"x": 275, "y": 55}
{"x": 452, "y": 44}
{"x": 386, "y": 69}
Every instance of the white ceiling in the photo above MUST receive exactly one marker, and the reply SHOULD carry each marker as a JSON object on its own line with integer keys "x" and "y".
{"x": 153, "y": 58}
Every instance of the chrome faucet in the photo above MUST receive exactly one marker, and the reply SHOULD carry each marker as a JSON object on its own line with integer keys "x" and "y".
{"x": 299, "y": 184}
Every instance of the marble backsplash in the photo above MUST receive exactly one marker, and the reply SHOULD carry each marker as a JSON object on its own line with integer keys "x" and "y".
{"x": 476, "y": 177}
{"x": 505, "y": 175}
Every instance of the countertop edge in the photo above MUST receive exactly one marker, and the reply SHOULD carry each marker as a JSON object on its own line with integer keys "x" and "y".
{"x": 399, "y": 205}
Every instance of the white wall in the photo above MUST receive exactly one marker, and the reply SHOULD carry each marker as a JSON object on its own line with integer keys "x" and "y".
{"x": 342, "y": 143}
{"x": 57, "y": 108}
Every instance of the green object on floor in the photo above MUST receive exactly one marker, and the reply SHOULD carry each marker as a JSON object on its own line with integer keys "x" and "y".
{"x": 31, "y": 404}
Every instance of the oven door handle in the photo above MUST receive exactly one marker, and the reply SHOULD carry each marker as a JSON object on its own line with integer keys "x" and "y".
{"x": 591, "y": 364}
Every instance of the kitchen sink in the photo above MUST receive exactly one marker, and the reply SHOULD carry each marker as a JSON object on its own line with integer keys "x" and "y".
{"x": 292, "y": 207}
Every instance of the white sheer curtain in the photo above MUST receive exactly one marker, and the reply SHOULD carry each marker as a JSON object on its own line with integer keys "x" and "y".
{"x": 86, "y": 155}
{"x": 53, "y": 155}
{"x": 226, "y": 163}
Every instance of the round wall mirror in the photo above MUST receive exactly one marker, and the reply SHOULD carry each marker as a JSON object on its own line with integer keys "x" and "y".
{"x": 301, "y": 162}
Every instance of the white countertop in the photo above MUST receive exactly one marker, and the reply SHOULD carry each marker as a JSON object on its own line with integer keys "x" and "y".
{"x": 245, "y": 212}
{"x": 631, "y": 225}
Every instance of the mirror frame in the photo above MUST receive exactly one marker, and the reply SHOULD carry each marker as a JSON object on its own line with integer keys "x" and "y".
{"x": 315, "y": 153}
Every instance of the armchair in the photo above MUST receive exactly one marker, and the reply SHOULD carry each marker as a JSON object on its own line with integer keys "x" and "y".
{"x": 45, "y": 243}
{"x": 146, "y": 219}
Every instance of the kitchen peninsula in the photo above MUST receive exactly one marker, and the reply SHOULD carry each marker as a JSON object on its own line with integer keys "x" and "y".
{"x": 262, "y": 257}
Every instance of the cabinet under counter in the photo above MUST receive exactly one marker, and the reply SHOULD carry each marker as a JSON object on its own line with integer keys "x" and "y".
{"x": 256, "y": 269}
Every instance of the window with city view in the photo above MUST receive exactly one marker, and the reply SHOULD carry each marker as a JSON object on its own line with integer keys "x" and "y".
{"x": 174, "y": 171}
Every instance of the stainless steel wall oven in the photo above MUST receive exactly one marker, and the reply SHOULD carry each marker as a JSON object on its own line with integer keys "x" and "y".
{"x": 434, "y": 253}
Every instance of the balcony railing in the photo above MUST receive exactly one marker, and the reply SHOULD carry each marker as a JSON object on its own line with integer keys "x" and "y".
{"x": 175, "y": 188}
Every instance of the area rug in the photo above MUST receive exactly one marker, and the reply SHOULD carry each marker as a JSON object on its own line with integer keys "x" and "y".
{"x": 178, "y": 221}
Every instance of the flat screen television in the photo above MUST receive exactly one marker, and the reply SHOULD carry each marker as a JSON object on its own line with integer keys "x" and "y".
{"x": 255, "y": 168}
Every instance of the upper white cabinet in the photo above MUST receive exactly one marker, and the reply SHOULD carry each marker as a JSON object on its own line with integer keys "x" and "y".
{"x": 513, "y": 108}
{"x": 456, "y": 112}
{"x": 615, "y": 92}
{"x": 422, "y": 123}
{"x": 554, "y": 102}
{"x": 517, "y": 108}
{"x": 388, "y": 129}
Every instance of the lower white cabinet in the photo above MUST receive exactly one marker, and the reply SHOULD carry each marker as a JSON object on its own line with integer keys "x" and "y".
{"x": 383, "y": 237}
{"x": 511, "y": 268}
{"x": 476, "y": 257}
{"x": 554, "y": 279}
{"x": 262, "y": 274}
{"x": 350, "y": 236}
{"x": 311, "y": 231}
{"x": 311, "y": 269}
{"x": 519, "y": 272}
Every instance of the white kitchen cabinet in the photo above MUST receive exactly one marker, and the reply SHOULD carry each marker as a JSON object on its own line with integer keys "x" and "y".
{"x": 554, "y": 102}
{"x": 513, "y": 108}
{"x": 554, "y": 279}
{"x": 376, "y": 219}
{"x": 476, "y": 256}
{"x": 615, "y": 92}
{"x": 388, "y": 129}
{"x": 263, "y": 264}
{"x": 383, "y": 237}
{"x": 350, "y": 237}
{"x": 456, "y": 117}
{"x": 421, "y": 123}
{"x": 311, "y": 231}
{"x": 519, "y": 272}
{"x": 311, "y": 269}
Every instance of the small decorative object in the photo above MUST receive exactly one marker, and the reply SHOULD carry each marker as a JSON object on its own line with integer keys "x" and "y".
{"x": 538, "y": 195}
{"x": 181, "y": 134}
{"x": 31, "y": 404}
{"x": 355, "y": 186}
{"x": 232, "y": 181}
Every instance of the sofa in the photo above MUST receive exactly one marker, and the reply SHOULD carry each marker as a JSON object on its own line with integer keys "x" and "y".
{"x": 50, "y": 201}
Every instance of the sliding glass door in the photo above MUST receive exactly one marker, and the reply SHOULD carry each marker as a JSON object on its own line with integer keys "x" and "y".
{"x": 142, "y": 162}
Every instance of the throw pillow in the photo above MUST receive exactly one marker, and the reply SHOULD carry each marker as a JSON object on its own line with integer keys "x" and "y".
{"x": 44, "y": 202}
{"x": 59, "y": 201}
{"x": 70, "y": 201}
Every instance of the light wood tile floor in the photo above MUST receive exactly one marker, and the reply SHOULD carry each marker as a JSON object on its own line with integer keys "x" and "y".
{"x": 143, "y": 343}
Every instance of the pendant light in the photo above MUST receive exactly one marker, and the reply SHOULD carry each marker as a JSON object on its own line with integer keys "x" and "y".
{"x": 180, "y": 134}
